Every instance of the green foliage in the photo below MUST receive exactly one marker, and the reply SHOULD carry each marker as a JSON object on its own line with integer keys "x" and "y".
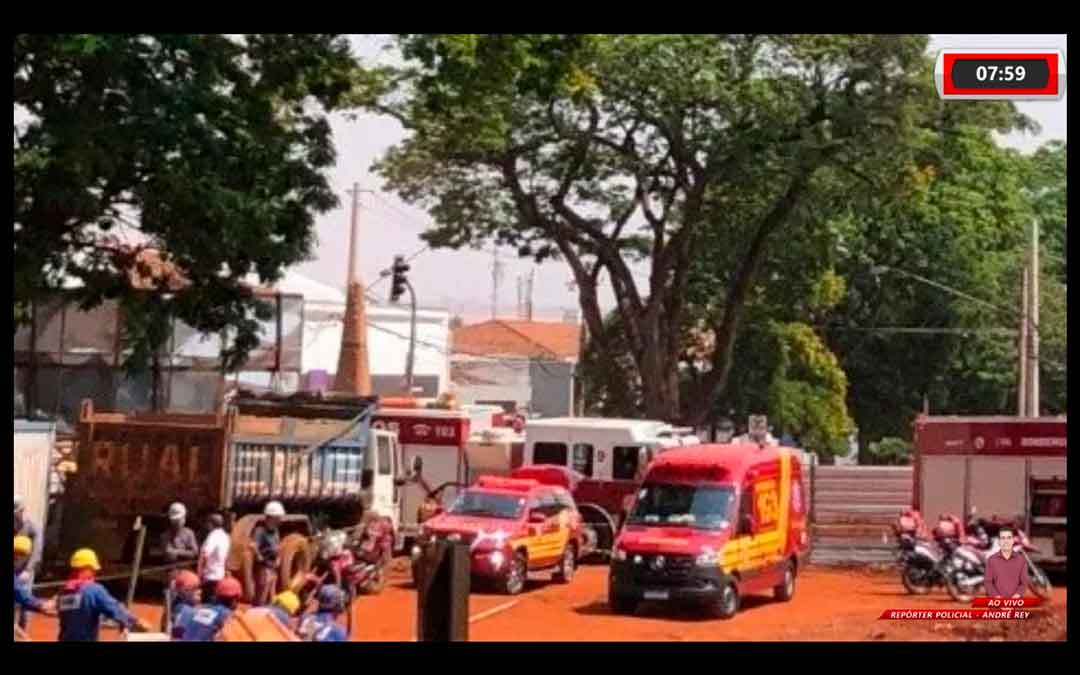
{"x": 808, "y": 390}
{"x": 695, "y": 154}
{"x": 890, "y": 451}
{"x": 210, "y": 148}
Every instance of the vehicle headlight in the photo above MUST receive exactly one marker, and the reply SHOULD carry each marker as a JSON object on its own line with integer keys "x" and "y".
{"x": 497, "y": 559}
{"x": 416, "y": 552}
{"x": 619, "y": 554}
{"x": 707, "y": 558}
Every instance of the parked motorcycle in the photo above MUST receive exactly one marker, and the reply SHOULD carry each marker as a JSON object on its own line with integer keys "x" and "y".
{"x": 922, "y": 560}
{"x": 982, "y": 545}
{"x": 355, "y": 560}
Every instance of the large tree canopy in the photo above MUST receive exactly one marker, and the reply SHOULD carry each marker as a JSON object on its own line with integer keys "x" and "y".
{"x": 211, "y": 148}
{"x": 615, "y": 150}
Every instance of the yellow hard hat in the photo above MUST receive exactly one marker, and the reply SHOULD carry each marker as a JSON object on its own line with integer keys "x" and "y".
{"x": 23, "y": 545}
{"x": 288, "y": 601}
{"x": 85, "y": 557}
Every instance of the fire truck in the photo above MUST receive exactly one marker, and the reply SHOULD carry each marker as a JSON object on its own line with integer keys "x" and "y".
{"x": 1008, "y": 469}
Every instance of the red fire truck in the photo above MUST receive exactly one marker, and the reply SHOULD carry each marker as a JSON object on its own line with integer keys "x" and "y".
{"x": 1006, "y": 468}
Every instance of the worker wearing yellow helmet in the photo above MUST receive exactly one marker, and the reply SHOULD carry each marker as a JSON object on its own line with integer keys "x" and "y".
{"x": 285, "y": 607}
{"x": 83, "y": 601}
{"x": 24, "y": 597}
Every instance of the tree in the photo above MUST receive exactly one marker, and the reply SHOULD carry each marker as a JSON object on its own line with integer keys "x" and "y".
{"x": 210, "y": 148}
{"x": 618, "y": 151}
{"x": 966, "y": 226}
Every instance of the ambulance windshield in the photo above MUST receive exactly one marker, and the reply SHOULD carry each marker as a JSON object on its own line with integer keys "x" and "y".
{"x": 487, "y": 504}
{"x": 706, "y": 507}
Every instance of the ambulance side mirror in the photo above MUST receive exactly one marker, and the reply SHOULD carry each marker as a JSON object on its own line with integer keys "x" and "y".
{"x": 417, "y": 465}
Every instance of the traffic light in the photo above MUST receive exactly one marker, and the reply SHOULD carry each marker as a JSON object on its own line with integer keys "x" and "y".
{"x": 399, "y": 269}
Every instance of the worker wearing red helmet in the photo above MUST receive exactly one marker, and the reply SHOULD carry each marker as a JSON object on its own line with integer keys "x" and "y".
{"x": 203, "y": 623}
{"x": 185, "y": 593}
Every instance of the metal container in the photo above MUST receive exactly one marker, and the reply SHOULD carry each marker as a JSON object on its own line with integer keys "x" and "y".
{"x": 34, "y": 443}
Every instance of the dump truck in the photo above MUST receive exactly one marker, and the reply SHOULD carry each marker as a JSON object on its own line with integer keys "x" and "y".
{"x": 1008, "y": 469}
{"x": 322, "y": 457}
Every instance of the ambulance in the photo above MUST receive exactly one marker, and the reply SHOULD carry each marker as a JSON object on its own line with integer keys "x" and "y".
{"x": 711, "y": 524}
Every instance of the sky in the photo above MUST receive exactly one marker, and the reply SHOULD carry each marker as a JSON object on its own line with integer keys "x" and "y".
{"x": 461, "y": 281}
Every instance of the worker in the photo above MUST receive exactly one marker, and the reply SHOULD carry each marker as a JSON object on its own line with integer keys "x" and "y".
{"x": 25, "y": 601}
{"x": 27, "y": 568}
{"x": 322, "y": 626}
{"x": 266, "y": 542}
{"x": 285, "y": 607}
{"x": 83, "y": 601}
{"x": 204, "y": 622}
{"x": 213, "y": 555}
{"x": 185, "y": 593}
{"x": 179, "y": 541}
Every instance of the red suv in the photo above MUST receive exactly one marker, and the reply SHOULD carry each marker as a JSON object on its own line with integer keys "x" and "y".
{"x": 513, "y": 526}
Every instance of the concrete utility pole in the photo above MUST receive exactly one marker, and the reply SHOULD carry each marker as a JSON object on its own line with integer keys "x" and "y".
{"x": 496, "y": 277}
{"x": 1022, "y": 346}
{"x": 1033, "y": 330}
{"x": 353, "y": 370}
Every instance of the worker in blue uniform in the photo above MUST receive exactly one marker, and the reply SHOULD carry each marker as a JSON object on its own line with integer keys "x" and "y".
{"x": 83, "y": 601}
{"x": 322, "y": 626}
{"x": 204, "y": 622}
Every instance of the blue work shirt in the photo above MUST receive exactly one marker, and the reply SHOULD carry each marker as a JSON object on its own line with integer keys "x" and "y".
{"x": 321, "y": 627}
{"x": 200, "y": 624}
{"x": 24, "y": 597}
{"x": 81, "y": 608}
{"x": 179, "y": 602}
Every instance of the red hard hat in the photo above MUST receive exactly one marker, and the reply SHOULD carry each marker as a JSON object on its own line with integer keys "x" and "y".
{"x": 186, "y": 580}
{"x": 229, "y": 589}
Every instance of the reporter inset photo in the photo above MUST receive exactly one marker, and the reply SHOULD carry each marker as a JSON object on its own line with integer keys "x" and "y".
{"x": 1006, "y": 570}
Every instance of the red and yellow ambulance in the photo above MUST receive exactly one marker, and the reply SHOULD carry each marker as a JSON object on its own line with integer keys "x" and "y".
{"x": 514, "y": 526}
{"x": 711, "y": 524}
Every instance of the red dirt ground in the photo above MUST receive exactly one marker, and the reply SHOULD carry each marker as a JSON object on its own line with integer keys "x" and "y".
{"x": 829, "y": 604}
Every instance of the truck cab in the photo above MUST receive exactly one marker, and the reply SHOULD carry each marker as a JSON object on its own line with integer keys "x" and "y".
{"x": 710, "y": 524}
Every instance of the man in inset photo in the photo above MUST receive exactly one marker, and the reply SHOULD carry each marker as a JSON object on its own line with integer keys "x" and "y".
{"x": 1006, "y": 570}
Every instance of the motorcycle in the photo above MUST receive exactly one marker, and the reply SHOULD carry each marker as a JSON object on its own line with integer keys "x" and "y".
{"x": 969, "y": 561}
{"x": 356, "y": 561}
{"x": 922, "y": 560}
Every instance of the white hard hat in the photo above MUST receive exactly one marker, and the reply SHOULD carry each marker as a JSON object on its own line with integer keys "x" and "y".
{"x": 274, "y": 509}
{"x": 19, "y": 503}
{"x": 177, "y": 511}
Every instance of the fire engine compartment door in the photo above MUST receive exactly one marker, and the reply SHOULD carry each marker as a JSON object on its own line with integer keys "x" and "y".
{"x": 942, "y": 486}
{"x": 997, "y": 487}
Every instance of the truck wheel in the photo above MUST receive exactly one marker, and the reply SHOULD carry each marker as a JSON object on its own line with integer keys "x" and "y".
{"x": 620, "y": 604}
{"x": 565, "y": 572}
{"x": 295, "y": 559}
{"x": 727, "y": 605}
{"x": 786, "y": 588}
{"x": 514, "y": 581}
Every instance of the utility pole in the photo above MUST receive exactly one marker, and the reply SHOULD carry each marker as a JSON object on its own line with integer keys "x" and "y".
{"x": 520, "y": 297}
{"x": 350, "y": 277}
{"x": 1033, "y": 330}
{"x": 529, "y": 295}
{"x": 1022, "y": 347}
{"x": 354, "y": 370}
{"x": 496, "y": 277}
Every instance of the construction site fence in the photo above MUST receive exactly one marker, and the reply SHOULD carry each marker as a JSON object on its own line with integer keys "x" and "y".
{"x": 65, "y": 355}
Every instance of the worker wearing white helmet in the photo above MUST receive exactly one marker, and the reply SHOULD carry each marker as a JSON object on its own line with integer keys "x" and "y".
{"x": 178, "y": 542}
{"x": 266, "y": 544}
